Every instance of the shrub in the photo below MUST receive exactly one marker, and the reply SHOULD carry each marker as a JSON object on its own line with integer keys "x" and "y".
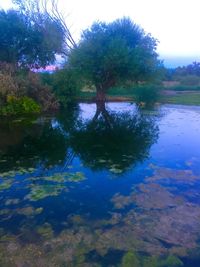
{"x": 41, "y": 93}
{"x": 147, "y": 93}
{"x": 18, "y": 82}
{"x": 64, "y": 83}
{"x": 7, "y": 86}
{"x": 18, "y": 106}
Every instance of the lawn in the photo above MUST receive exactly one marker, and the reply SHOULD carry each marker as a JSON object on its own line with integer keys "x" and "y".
{"x": 127, "y": 94}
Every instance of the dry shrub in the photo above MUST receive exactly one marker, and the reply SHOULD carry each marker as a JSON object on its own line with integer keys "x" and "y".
{"x": 7, "y": 86}
{"x": 41, "y": 93}
{"x": 20, "y": 83}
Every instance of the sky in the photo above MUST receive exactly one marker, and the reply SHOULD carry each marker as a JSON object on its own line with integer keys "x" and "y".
{"x": 175, "y": 23}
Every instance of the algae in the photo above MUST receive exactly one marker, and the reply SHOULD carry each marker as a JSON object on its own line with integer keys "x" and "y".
{"x": 130, "y": 259}
{"x": 76, "y": 177}
{"x": 5, "y": 185}
{"x": 45, "y": 231}
{"x": 19, "y": 171}
{"x": 39, "y": 192}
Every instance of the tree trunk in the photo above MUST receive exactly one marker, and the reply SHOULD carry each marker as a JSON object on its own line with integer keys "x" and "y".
{"x": 101, "y": 96}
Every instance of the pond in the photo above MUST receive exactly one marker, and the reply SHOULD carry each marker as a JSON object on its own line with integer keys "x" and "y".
{"x": 101, "y": 185}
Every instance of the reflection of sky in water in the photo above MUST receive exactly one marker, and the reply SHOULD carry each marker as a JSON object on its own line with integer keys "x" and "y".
{"x": 88, "y": 110}
{"x": 70, "y": 198}
{"x": 179, "y": 138}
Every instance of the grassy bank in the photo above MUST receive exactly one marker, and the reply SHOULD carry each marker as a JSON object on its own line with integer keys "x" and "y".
{"x": 170, "y": 97}
{"x": 189, "y": 98}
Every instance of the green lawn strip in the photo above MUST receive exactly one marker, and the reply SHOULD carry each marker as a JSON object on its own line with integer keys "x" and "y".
{"x": 120, "y": 94}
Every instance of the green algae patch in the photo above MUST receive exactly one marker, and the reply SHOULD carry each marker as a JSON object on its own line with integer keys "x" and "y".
{"x": 171, "y": 261}
{"x": 45, "y": 231}
{"x": 39, "y": 192}
{"x": 19, "y": 171}
{"x": 61, "y": 177}
{"x": 57, "y": 178}
{"x": 5, "y": 185}
{"x": 115, "y": 168}
{"x": 76, "y": 177}
{"x": 130, "y": 259}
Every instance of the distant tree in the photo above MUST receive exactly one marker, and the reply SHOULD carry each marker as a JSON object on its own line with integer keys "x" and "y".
{"x": 29, "y": 44}
{"x": 110, "y": 54}
{"x": 191, "y": 69}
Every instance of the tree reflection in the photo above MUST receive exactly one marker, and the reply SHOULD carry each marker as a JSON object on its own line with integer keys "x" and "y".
{"x": 114, "y": 140}
{"x": 110, "y": 140}
{"x": 43, "y": 141}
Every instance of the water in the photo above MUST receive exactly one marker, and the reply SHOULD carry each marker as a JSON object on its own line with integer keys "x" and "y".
{"x": 103, "y": 186}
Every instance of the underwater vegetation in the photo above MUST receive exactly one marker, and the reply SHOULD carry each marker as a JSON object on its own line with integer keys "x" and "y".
{"x": 39, "y": 192}
{"x": 70, "y": 197}
{"x": 131, "y": 259}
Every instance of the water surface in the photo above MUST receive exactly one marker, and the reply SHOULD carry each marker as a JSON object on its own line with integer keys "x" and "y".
{"x": 110, "y": 185}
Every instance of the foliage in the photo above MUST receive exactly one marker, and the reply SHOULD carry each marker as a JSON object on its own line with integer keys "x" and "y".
{"x": 112, "y": 53}
{"x": 64, "y": 83}
{"x": 191, "y": 69}
{"x": 7, "y": 86}
{"x": 188, "y": 76}
{"x": 147, "y": 93}
{"x": 26, "y": 42}
{"x": 37, "y": 10}
{"x": 41, "y": 93}
{"x": 17, "y": 106}
{"x": 23, "y": 85}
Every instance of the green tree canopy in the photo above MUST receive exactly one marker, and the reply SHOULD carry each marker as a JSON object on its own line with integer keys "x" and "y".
{"x": 26, "y": 42}
{"x": 112, "y": 53}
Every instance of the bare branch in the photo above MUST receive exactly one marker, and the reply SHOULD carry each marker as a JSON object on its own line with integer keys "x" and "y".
{"x": 49, "y": 8}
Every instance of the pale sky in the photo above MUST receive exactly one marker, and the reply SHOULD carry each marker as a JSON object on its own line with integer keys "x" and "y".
{"x": 175, "y": 23}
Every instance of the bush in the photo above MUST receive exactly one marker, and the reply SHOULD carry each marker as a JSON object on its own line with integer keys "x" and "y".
{"x": 41, "y": 93}
{"x": 19, "y": 83}
{"x": 18, "y": 106}
{"x": 147, "y": 93}
{"x": 7, "y": 86}
{"x": 65, "y": 85}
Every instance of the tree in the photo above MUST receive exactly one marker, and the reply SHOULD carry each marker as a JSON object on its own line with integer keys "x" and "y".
{"x": 26, "y": 43}
{"x": 110, "y": 54}
{"x": 37, "y": 10}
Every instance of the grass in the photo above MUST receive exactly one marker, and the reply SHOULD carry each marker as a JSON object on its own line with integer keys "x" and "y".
{"x": 184, "y": 88}
{"x": 183, "y": 99}
{"x": 113, "y": 94}
{"x": 127, "y": 94}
